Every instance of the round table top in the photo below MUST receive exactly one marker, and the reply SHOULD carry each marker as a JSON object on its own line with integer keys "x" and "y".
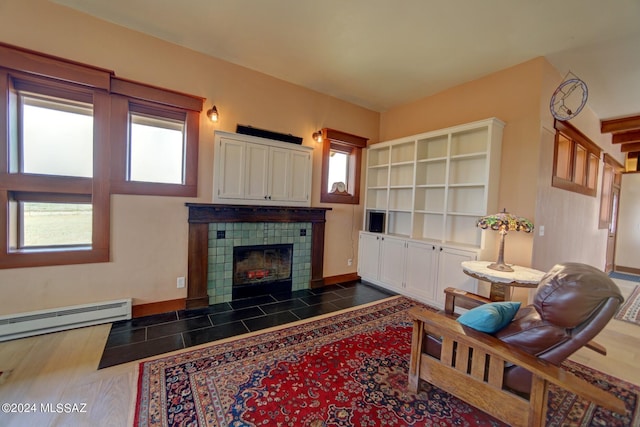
{"x": 520, "y": 276}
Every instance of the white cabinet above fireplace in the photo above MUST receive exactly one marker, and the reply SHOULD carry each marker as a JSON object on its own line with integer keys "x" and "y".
{"x": 249, "y": 170}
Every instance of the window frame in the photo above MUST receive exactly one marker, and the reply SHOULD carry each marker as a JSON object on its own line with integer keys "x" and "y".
{"x": 15, "y": 181}
{"x": 20, "y": 197}
{"x": 51, "y": 76}
{"x": 578, "y": 141}
{"x": 347, "y": 143}
{"x": 134, "y": 97}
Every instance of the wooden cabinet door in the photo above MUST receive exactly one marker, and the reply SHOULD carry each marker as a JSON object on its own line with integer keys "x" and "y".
{"x": 450, "y": 272}
{"x": 392, "y": 264}
{"x": 256, "y": 168}
{"x": 368, "y": 256}
{"x": 300, "y": 182}
{"x": 279, "y": 174}
{"x": 421, "y": 272}
{"x": 230, "y": 179}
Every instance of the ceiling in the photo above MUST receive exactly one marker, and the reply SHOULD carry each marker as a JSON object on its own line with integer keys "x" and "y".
{"x": 383, "y": 53}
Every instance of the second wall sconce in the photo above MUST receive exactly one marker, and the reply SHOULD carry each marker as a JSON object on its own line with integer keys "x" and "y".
{"x": 213, "y": 114}
{"x": 317, "y": 136}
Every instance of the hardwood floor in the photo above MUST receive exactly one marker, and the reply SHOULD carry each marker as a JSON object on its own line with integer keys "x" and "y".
{"x": 61, "y": 368}
{"x": 622, "y": 341}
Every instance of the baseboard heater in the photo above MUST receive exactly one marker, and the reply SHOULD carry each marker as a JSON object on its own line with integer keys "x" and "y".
{"x": 22, "y": 325}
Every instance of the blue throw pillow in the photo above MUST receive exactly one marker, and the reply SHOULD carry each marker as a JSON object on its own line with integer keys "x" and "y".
{"x": 491, "y": 317}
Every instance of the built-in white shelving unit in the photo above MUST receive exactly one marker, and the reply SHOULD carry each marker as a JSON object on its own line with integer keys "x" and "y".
{"x": 435, "y": 185}
{"x": 431, "y": 188}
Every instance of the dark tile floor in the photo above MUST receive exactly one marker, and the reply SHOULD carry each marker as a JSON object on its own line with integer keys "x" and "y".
{"x": 152, "y": 335}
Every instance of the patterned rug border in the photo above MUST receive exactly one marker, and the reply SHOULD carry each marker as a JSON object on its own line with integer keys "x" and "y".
{"x": 281, "y": 329}
{"x": 391, "y": 306}
{"x": 289, "y": 325}
{"x": 630, "y": 310}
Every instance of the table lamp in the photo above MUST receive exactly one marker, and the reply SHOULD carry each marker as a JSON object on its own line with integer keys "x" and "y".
{"x": 504, "y": 222}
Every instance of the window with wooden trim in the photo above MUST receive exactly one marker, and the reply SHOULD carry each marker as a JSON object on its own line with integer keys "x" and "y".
{"x": 341, "y": 160}
{"x": 55, "y": 211}
{"x": 64, "y": 145}
{"x": 576, "y": 160}
{"x": 155, "y": 140}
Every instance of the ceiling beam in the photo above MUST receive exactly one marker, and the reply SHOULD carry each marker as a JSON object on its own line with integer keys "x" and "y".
{"x": 625, "y": 137}
{"x": 629, "y": 148}
{"x": 620, "y": 125}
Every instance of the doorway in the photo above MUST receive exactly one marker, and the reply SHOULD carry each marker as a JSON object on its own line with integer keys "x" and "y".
{"x": 613, "y": 225}
{"x": 609, "y": 203}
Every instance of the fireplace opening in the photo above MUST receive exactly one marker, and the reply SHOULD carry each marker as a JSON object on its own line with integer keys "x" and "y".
{"x": 261, "y": 270}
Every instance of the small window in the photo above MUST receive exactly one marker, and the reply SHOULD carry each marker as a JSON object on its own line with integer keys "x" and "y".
{"x": 592, "y": 181}
{"x": 155, "y": 146}
{"x": 50, "y": 221}
{"x": 57, "y": 137}
{"x": 341, "y": 158}
{"x": 156, "y": 149}
{"x": 576, "y": 161}
{"x": 563, "y": 159}
{"x": 338, "y": 170}
{"x": 55, "y": 224}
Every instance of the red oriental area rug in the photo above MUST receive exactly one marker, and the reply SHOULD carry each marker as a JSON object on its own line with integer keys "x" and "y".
{"x": 348, "y": 369}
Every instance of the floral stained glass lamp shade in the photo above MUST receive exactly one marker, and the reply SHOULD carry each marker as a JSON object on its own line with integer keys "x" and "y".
{"x": 504, "y": 222}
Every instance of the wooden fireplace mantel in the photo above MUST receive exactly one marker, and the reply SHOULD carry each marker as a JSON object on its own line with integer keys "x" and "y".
{"x": 201, "y": 214}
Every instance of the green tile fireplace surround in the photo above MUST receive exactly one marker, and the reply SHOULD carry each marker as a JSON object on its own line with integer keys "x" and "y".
{"x": 215, "y": 229}
{"x": 224, "y": 236}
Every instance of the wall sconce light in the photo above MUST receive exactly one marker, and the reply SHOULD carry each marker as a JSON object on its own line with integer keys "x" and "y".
{"x": 317, "y": 136}
{"x": 213, "y": 114}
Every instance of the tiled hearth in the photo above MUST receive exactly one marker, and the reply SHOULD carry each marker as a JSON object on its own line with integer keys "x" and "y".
{"x": 152, "y": 335}
{"x": 224, "y": 236}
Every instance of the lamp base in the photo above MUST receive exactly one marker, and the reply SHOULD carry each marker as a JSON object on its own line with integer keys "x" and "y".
{"x": 500, "y": 267}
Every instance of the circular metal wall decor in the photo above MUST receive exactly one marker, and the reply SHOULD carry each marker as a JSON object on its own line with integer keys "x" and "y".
{"x": 569, "y": 99}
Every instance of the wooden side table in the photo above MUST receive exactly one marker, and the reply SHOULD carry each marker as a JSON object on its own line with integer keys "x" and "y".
{"x": 502, "y": 281}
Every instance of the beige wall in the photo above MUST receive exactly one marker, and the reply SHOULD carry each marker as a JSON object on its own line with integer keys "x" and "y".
{"x": 149, "y": 234}
{"x": 511, "y": 95}
{"x": 519, "y": 96}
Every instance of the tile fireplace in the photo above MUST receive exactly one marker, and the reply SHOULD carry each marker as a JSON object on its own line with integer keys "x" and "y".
{"x": 216, "y": 232}
{"x": 230, "y": 241}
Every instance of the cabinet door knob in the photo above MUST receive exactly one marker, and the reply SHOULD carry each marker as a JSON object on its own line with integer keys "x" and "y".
{"x": 265, "y": 197}
{"x": 433, "y": 248}
{"x": 440, "y": 248}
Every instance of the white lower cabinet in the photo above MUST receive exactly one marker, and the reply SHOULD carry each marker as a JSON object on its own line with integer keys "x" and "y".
{"x": 420, "y": 270}
{"x": 422, "y": 263}
{"x": 450, "y": 272}
{"x": 392, "y": 260}
{"x": 368, "y": 255}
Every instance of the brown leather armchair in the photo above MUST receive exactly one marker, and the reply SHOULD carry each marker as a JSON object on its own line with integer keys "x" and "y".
{"x": 507, "y": 374}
